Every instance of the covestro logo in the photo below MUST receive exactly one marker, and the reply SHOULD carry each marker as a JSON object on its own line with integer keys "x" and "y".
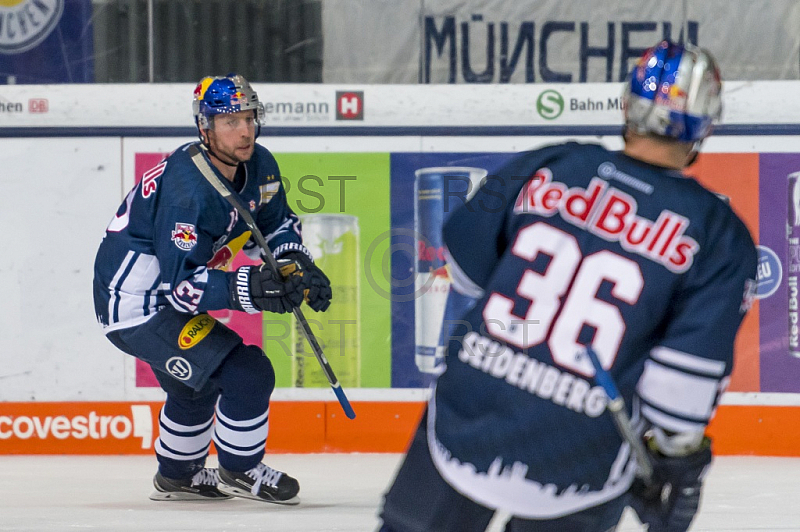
{"x": 40, "y": 432}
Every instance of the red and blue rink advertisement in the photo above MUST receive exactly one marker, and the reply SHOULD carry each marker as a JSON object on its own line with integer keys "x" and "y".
{"x": 757, "y": 186}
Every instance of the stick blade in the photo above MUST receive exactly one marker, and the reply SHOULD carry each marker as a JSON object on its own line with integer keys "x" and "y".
{"x": 348, "y": 410}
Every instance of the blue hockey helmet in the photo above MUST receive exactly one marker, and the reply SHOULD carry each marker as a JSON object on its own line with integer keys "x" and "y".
{"x": 674, "y": 91}
{"x": 220, "y": 95}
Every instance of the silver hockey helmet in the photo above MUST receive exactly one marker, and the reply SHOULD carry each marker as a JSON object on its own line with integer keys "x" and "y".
{"x": 674, "y": 91}
{"x": 224, "y": 94}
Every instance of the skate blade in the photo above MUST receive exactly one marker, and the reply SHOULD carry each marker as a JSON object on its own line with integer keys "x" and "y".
{"x": 245, "y": 494}
{"x": 183, "y": 496}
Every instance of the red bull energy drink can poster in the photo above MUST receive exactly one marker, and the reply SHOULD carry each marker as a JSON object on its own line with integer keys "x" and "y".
{"x": 793, "y": 260}
{"x": 437, "y": 191}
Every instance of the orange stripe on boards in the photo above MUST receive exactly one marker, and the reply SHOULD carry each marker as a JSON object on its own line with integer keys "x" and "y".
{"x": 296, "y": 427}
{"x": 756, "y": 430}
{"x": 321, "y": 426}
{"x": 313, "y": 427}
{"x": 379, "y": 427}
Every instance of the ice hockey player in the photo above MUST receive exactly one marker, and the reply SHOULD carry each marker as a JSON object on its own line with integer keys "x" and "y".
{"x": 159, "y": 271}
{"x": 570, "y": 246}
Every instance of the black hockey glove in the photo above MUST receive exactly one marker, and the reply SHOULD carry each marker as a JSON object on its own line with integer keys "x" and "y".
{"x": 257, "y": 288}
{"x": 670, "y": 502}
{"x": 315, "y": 284}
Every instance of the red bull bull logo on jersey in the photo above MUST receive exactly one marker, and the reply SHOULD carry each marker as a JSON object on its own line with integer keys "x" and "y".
{"x": 184, "y": 236}
{"x": 224, "y": 253}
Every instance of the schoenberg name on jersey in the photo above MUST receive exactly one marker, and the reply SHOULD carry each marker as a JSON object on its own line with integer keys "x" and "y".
{"x": 535, "y": 377}
{"x": 611, "y": 214}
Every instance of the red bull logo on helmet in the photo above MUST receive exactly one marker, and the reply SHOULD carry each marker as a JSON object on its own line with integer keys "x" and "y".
{"x": 200, "y": 89}
{"x": 672, "y": 96}
{"x": 238, "y": 98}
{"x": 184, "y": 236}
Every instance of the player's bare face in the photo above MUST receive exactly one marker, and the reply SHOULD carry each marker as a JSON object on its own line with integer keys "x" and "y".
{"x": 233, "y": 137}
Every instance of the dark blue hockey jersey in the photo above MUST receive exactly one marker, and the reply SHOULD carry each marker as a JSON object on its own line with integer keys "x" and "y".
{"x": 174, "y": 232}
{"x": 568, "y": 246}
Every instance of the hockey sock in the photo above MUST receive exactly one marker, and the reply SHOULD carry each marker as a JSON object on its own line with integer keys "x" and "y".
{"x": 182, "y": 445}
{"x": 246, "y": 381}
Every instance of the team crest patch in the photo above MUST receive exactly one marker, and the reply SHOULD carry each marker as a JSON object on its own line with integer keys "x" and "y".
{"x": 184, "y": 236}
{"x": 268, "y": 191}
{"x": 179, "y": 368}
{"x": 24, "y": 24}
{"x": 252, "y": 205}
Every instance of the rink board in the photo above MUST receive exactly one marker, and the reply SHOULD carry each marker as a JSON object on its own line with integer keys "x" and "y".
{"x": 321, "y": 426}
{"x": 67, "y": 390}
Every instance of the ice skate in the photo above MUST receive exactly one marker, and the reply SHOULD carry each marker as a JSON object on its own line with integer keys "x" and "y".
{"x": 201, "y": 487}
{"x": 262, "y": 483}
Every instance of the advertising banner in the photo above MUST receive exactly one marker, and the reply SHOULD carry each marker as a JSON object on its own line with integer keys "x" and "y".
{"x": 372, "y": 182}
{"x": 46, "y": 41}
{"x": 373, "y": 222}
{"x": 548, "y": 41}
{"x": 372, "y": 204}
{"x": 736, "y": 177}
{"x": 778, "y": 273}
{"x": 343, "y": 202}
{"x": 247, "y": 325}
{"x": 78, "y": 428}
{"x": 410, "y": 111}
{"x": 420, "y": 282}
{"x": 763, "y": 362}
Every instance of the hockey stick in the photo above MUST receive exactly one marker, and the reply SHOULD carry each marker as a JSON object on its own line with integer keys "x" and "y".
{"x": 208, "y": 173}
{"x": 616, "y": 405}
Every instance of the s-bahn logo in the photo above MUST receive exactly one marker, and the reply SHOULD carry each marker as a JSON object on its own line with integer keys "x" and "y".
{"x": 550, "y": 104}
{"x": 26, "y": 23}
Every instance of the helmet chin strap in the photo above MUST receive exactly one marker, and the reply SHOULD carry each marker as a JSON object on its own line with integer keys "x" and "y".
{"x": 217, "y": 157}
{"x": 694, "y": 153}
{"x": 692, "y": 158}
{"x": 207, "y": 146}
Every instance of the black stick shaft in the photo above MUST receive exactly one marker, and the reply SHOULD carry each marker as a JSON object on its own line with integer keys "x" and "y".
{"x": 202, "y": 165}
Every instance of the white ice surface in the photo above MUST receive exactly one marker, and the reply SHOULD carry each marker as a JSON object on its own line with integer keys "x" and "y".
{"x": 339, "y": 492}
